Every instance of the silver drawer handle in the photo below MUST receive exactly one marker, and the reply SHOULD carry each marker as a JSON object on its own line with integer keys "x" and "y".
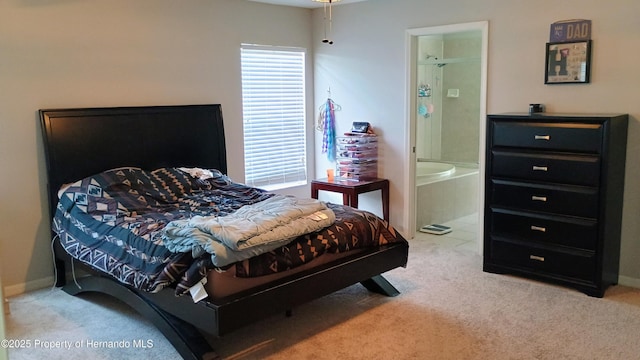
{"x": 536, "y": 257}
{"x": 540, "y": 168}
{"x": 538, "y": 228}
{"x": 542, "y": 137}
{"x": 539, "y": 198}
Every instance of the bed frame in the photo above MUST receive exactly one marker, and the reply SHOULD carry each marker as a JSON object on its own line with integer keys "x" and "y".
{"x": 82, "y": 142}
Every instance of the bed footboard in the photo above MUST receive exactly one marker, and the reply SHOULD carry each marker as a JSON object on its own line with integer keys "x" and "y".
{"x": 185, "y": 338}
{"x": 181, "y": 321}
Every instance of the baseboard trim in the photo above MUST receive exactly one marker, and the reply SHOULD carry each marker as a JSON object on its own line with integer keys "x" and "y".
{"x": 17, "y": 289}
{"x": 629, "y": 281}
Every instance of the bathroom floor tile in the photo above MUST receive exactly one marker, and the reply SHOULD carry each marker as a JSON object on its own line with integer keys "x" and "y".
{"x": 463, "y": 235}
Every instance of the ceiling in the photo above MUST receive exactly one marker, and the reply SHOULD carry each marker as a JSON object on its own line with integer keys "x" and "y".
{"x": 304, "y": 3}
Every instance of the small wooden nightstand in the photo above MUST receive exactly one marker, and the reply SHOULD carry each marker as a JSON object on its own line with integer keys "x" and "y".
{"x": 350, "y": 190}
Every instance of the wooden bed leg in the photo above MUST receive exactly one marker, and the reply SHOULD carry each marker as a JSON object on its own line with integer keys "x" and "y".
{"x": 61, "y": 278}
{"x": 380, "y": 285}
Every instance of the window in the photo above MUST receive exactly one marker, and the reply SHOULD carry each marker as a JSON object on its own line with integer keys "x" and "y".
{"x": 273, "y": 105}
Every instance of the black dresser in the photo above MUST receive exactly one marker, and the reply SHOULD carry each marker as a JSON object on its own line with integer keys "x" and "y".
{"x": 553, "y": 197}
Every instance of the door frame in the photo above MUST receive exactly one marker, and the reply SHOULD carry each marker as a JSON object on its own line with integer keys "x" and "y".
{"x": 411, "y": 118}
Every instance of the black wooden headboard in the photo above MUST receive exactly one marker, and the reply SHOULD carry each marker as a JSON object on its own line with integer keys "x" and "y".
{"x": 83, "y": 142}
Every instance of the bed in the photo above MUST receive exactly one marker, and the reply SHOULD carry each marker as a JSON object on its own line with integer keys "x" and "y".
{"x": 91, "y": 144}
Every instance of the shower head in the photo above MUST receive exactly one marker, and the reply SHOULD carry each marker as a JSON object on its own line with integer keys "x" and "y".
{"x": 441, "y": 65}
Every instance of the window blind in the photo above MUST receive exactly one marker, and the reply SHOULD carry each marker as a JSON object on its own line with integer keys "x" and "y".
{"x": 273, "y": 104}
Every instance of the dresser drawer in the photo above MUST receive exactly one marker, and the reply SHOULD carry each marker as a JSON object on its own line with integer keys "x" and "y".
{"x": 568, "y": 169}
{"x": 545, "y": 229}
{"x": 567, "y": 200}
{"x": 575, "y": 137}
{"x": 574, "y": 265}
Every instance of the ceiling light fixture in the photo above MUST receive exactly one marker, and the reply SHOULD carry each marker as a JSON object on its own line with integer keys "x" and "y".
{"x": 326, "y": 40}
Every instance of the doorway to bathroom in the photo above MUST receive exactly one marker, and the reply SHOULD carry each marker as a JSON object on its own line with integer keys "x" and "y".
{"x": 447, "y": 71}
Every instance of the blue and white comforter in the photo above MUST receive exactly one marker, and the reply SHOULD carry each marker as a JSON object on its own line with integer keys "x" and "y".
{"x": 251, "y": 230}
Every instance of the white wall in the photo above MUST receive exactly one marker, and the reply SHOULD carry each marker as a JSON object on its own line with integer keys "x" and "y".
{"x": 365, "y": 68}
{"x": 3, "y": 350}
{"x": 77, "y": 53}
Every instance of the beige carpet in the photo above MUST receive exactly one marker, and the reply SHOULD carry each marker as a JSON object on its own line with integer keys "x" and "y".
{"x": 448, "y": 309}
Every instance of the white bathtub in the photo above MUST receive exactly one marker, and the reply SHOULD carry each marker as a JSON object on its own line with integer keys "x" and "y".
{"x": 445, "y": 192}
{"x": 427, "y": 171}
